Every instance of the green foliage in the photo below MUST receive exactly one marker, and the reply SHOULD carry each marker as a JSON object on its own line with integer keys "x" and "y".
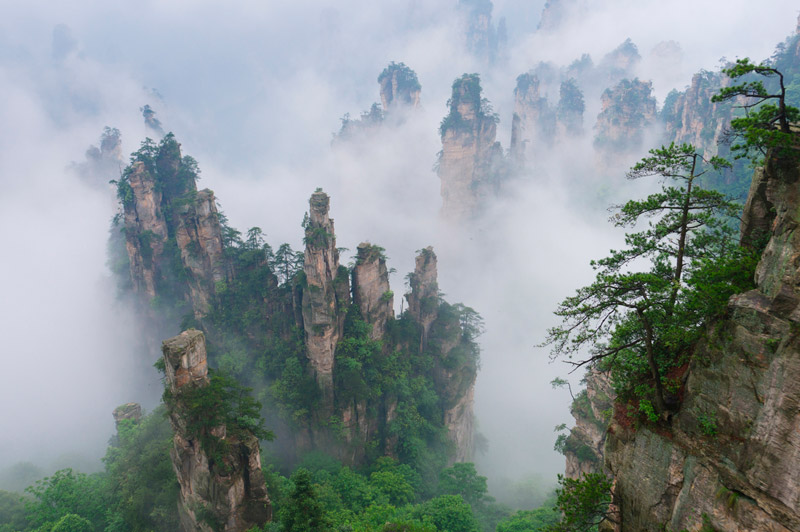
{"x": 537, "y": 520}
{"x": 584, "y": 503}
{"x": 64, "y": 493}
{"x": 462, "y": 479}
{"x": 302, "y": 511}
{"x": 406, "y": 78}
{"x": 12, "y": 512}
{"x": 638, "y": 323}
{"x": 765, "y": 125}
{"x": 708, "y": 423}
{"x": 467, "y": 90}
{"x": 570, "y": 106}
{"x": 222, "y": 401}
{"x": 141, "y": 481}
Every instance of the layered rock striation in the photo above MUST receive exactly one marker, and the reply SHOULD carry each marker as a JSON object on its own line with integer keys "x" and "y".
{"x": 222, "y": 490}
{"x": 471, "y": 165}
{"x": 371, "y": 290}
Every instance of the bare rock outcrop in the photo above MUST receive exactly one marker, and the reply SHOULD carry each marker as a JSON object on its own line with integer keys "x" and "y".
{"x": 132, "y": 411}
{"x": 592, "y": 412}
{"x": 626, "y": 112}
{"x": 221, "y": 491}
{"x": 533, "y": 125}
{"x": 399, "y": 87}
{"x": 199, "y": 237}
{"x": 171, "y": 228}
{"x": 326, "y": 293}
{"x": 483, "y": 39}
{"x": 371, "y": 290}
{"x": 691, "y": 117}
{"x": 731, "y": 454}
{"x": 471, "y": 163}
{"x": 423, "y": 300}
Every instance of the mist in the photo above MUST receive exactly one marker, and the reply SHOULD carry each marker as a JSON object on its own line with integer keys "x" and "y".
{"x": 254, "y": 91}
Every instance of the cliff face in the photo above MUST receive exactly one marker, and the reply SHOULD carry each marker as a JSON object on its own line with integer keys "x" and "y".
{"x": 592, "y": 411}
{"x": 534, "y": 121}
{"x": 326, "y": 296}
{"x": 172, "y": 232}
{"x": 691, "y": 117}
{"x": 483, "y": 40}
{"x": 455, "y": 356}
{"x": 371, "y": 290}
{"x": 218, "y": 492}
{"x": 626, "y": 111}
{"x": 399, "y": 87}
{"x": 471, "y": 163}
{"x": 731, "y": 453}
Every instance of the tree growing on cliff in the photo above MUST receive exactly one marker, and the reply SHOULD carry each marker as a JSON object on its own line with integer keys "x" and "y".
{"x": 765, "y": 125}
{"x": 636, "y": 322}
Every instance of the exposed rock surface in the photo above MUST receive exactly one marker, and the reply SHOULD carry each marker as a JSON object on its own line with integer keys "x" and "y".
{"x": 471, "y": 163}
{"x": 222, "y": 493}
{"x": 171, "y": 229}
{"x": 692, "y": 118}
{"x": 103, "y": 163}
{"x": 626, "y": 111}
{"x": 423, "y": 300}
{"x": 533, "y": 125}
{"x": 732, "y": 451}
{"x": 371, "y": 290}
{"x": 483, "y": 40}
{"x": 621, "y": 62}
{"x": 399, "y": 87}
{"x": 127, "y": 411}
{"x": 326, "y": 294}
{"x": 592, "y": 412}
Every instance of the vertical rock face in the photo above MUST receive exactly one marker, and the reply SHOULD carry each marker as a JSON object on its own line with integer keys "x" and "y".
{"x": 371, "y": 290}
{"x": 471, "y": 163}
{"x": 399, "y": 87}
{"x": 145, "y": 229}
{"x": 423, "y": 300}
{"x": 691, "y": 117}
{"x": 626, "y": 111}
{"x": 481, "y": 36}
{"x": 171, "y": 229}
{"x": 219, "y": 493}
{"x": 326, "y": 294}
{"x": 732, "y": 452}
{"x": 199, "y": 237}
{"x": 533, "y": 124}
{"x": 621, "y": 62}
{"x": 569, "y": 113}
{"x": 592, "y": 411}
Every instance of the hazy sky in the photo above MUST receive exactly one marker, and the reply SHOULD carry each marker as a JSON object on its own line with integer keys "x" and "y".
{"x": 254, "y": 90}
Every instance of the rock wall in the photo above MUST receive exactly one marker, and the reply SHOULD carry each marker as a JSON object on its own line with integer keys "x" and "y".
{"x": 471, "y": 161}
{"x": 423, "y": 299}
{"x": 592, "y": 412}
{"x": 627, "y": 111}
{"x": 533, "y": 125}
{"x": 170, "y": 225}
{"x": 731, "y": 454}
{"x": 371, "y": 290}
{"x": 694, "y": 119}
{"x": 225, "y": 493}
{"x": 399, "y": 87}
{"x": 326, "y": 293}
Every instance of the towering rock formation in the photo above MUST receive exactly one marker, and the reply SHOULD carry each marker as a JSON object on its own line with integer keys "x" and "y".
{"x": 455, "y": 354}
{"x": 172, "y": 231}
{"x": 371, "y": 290}
{"x": 626, "y": 111}
{"x": 399, "y": 87}
{"x": 620, "y": 63}
{"x": 222, "y": 490}
{"x": 103, "y": 163}
{"x": 400, "y": 93}
{"x": 730, "y": 455}
{"x": 127, "y": 411}
{"x": 533, "y": 124}
{"x": 483, "y": 40}
{"x": 471, "y": 163}
{"x": 691, "y": 117}
{"x": 326, "y": 293}
{"x": 423, "y": 300}
{"x": 569, "y": 113}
